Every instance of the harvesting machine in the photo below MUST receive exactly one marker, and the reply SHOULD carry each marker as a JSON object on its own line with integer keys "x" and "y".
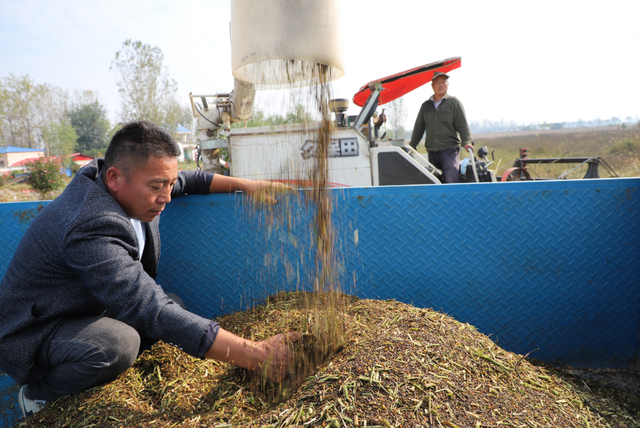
{"x": 266, "y": 55}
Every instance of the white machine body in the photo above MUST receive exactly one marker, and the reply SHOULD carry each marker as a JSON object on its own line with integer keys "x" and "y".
{"x": 286, "y": 153}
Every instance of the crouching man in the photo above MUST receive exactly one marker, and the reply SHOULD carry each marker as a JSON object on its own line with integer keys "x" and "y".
{"x": 79, "y": 300}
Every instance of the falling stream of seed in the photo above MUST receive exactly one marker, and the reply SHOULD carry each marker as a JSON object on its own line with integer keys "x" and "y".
{"x": 322, "y": 334}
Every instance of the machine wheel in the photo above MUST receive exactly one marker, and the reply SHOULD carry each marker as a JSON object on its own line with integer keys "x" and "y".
{"x": 516, "y": 174}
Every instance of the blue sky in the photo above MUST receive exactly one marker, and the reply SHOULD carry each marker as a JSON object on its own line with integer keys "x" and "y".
{"x": 522, "y": 61}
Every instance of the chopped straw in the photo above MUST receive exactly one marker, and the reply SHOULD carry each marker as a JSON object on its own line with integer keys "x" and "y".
{"x": 397, "y": 366}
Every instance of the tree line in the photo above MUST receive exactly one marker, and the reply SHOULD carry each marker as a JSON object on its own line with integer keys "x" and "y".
{"x": 45, "y": 116}
{"x": 506, "y": 126}
{"x": 395, "y": 113}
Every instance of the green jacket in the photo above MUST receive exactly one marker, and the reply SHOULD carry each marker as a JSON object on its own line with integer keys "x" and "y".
{"x": 446, "y": 126}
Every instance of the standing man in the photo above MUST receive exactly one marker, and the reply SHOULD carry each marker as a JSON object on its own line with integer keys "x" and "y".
{"x": 444, "y": 120}
{"x": 79, "y": 301}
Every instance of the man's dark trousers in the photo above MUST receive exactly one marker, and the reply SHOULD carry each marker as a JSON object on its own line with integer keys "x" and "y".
{"x": 86, "y": 352}
{"x": 448, "y": 161}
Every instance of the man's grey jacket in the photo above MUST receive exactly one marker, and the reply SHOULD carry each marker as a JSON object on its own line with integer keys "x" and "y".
{"x": 78, "y": 258}
{"x": 446, "y": 127}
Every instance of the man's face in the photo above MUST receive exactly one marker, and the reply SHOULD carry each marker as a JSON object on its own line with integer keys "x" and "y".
{"x": 144, "y": 194}
{"x": 440, "y": 86}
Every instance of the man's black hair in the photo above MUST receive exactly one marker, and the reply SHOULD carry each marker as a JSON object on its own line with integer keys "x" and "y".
{"x": 133, "y": 145}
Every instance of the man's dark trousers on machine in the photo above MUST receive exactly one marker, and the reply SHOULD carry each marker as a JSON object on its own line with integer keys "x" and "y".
{"x": 448, "y": 161}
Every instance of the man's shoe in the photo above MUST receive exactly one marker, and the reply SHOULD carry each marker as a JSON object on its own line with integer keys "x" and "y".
{"x": 29, "y": 407}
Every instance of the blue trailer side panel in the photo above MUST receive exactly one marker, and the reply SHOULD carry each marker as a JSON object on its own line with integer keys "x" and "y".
{"x": 9, "y": 407}
{"x": 551, "y": 268}
{"x": 14, "y": 220}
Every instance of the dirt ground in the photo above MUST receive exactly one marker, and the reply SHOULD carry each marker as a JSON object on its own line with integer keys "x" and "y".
{"x": 10, "y": 194}
{"x": 22, "y": 192}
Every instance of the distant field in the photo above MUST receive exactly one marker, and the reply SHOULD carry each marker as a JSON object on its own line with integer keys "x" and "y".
{"x": 620, "y": 148}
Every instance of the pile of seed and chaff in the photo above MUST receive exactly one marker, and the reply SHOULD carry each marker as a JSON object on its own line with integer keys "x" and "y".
{"x": 395, "y": 366}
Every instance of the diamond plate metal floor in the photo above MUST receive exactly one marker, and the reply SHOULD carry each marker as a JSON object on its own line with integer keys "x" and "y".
{"x": 551, "y": 267}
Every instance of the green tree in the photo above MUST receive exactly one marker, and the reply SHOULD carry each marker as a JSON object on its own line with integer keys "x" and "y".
{"x": 298, "y": 114}
{"x": 91, "y": 124}
{"x": 179, "y": 115}
{"x": 18, "y": 111}
{"x": 45, "y": 175}
{"x": 27, "y": 108}
{"x": 52, "y": 104}
{"x": 258, "y": 119}
{"x": 100, "y": 151}
{"x": 60, "y": 138}
{"x": 146, "y": 90}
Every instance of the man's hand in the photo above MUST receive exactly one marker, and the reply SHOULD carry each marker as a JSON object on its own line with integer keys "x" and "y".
{"x": 260, "y": 190}
{"x": 271, "y": 357}
{"x": 468, "y": 147}
{"x": 279, "y": 356}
